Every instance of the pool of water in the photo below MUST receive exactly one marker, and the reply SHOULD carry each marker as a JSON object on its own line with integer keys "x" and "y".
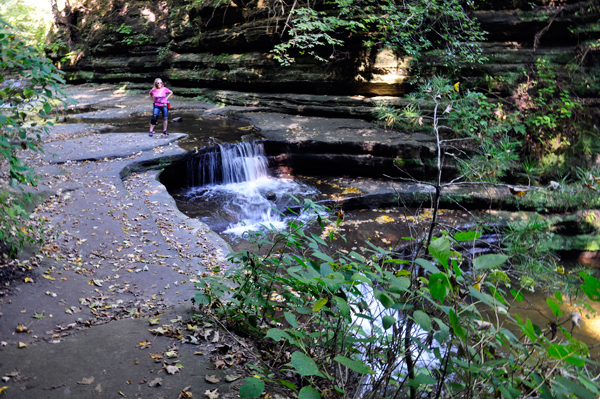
{"x": 202, "y": 131}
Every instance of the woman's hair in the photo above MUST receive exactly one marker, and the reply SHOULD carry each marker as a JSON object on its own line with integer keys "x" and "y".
{"x": 156, "y": 81}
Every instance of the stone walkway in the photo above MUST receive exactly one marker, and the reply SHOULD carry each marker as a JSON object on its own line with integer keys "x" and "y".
{"x": 122, "y": 254}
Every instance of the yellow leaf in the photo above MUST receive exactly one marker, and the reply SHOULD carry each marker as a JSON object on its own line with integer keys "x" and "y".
{"x": 28, "y": 280}
{"x": 517, "y": 192}
{"x": 384, "y": 219}
{"x": 477, "y": 286}
{"x": 456, "y": 86}
{"x": 2, "y": 389}
{"x": 22, "y": 345}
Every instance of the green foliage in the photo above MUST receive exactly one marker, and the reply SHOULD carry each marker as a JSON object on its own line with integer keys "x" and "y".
{"x": 547, "y": 105}
{"x": 312, "y": 29}
{"x": 124, "y": 29}
{"x": 462, "y": 120}
{"x": 528, "y": 243}
{"x": 565, "y": 193}
{"x": 132, "y": 38}
{"x": 164, "y": 55}
{"x": 252, "y": 388}
{"x": 29, "y": 86}
{"x": 32, "y": 22}
{"x": 407, "y": 28}
{"x": 338, "y": 316}
{"x": 16, "y": 228}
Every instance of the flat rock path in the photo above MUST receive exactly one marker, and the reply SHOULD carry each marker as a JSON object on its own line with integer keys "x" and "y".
{"x": 119, "y": 260}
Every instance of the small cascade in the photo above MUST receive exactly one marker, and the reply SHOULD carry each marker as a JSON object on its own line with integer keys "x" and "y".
{"x": 232, "y": 183}
{"x": 228, "y": 163}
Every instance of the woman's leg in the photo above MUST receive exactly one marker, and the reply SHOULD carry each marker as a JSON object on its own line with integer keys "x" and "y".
{"x": 154, "y": 120}
{"x": 165, "y": 112}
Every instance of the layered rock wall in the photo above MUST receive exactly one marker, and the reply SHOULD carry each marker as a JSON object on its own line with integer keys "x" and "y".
{"x": 226, "y": 45}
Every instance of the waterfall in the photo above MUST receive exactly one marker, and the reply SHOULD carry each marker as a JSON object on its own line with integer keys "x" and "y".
{"x": 228, "y": 163}
{"x": 232, "y": 183}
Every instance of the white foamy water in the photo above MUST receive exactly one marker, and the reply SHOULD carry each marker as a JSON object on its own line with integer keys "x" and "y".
{"x": 234, "y": 178}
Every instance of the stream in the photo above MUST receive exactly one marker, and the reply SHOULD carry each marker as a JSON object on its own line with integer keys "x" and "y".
{"x": 230, "y": 187}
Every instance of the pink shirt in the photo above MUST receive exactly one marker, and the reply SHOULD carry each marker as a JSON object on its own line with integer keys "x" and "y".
{"x": 160, "y": 96}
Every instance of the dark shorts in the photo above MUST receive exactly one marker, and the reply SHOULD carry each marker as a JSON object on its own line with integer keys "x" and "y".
{"x": 158, "y": 109}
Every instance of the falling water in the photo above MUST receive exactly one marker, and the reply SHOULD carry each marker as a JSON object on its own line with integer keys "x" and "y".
{"x": 232, "y": 180}
{"x": 228, "y": 163}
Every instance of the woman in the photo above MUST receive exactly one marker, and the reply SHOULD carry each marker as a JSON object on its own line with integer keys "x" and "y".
{"x": 160, "y": 96}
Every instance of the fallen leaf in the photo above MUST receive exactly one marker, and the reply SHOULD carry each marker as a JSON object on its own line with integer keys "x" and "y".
{"x": 212, "y": 379}
{"x": 214, "y": 394}
{"x": 155, "y": 382}
{"x": 156, "y": 355}
{"x": 21, "y": 328}
{"x": 171, "y": 354}
{"x": 185, "y": 393}
{"x": 96, "y": 282}
{"x": 172, "y": 369}
{"x": 37, "y": 315}
{"x": 198, "y": 353}
{"x": 158, "y": 330}
{"x": 144, "y": 344}
{"x": 518, "y": 192}
{"x": 219, "y": 364}
{"x": 2, "y": 389}
{"x": 28, "y": 280}
{"x": 233, "y": 377}
{"x": 86, "y": 381}
{"x": 22, "y": 345}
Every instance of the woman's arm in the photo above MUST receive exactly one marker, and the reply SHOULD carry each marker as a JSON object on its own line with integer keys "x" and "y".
{"x": 170, "y": 94}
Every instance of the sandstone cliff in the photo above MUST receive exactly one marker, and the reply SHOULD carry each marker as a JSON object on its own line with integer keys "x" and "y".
{"x": 222, "y": 44}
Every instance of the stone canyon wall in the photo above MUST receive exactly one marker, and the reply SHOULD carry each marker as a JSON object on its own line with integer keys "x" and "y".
{"x": 224, "y": 45}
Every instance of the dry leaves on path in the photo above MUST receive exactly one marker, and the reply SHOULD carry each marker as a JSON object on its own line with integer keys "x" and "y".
{"x": 185, "y": 393}
{"x": 86, "y": 381}
{"x": 155, "y": 382}
{"x": 172, "y": 368}
{"x": 214, "y": 394}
